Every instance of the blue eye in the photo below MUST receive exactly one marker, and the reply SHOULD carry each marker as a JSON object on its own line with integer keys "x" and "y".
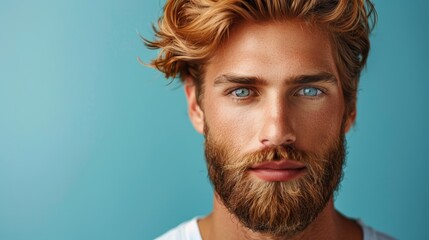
{"x": 310, "y": 92}
{"x": 241, "y": 92}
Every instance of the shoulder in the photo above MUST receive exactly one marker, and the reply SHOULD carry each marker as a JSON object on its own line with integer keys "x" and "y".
{"x": 185, "y": 231}
{"x": 371, "y": 234}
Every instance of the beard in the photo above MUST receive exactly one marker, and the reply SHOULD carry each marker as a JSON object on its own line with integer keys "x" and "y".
{"x": 281, "y": 209}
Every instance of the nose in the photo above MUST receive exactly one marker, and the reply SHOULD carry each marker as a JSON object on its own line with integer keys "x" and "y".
{"x": 277, "y": 127}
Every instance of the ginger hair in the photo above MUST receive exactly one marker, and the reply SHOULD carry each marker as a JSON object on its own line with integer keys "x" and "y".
{"x": 190, "y": 31}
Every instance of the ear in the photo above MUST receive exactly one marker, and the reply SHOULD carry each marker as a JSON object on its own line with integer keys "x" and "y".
{"x": 194, "y": 110}
{"x": 350, "y": 120}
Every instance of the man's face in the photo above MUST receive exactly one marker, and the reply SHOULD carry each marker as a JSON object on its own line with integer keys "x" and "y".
{"x": 273, "y": 117}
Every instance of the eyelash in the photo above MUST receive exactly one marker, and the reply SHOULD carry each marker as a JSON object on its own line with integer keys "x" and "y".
{"x": 252, "y": 93}
{"x": 321, "y": 90}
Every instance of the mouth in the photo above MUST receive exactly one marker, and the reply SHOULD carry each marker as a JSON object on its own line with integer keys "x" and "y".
{"x": 278, "y": 171}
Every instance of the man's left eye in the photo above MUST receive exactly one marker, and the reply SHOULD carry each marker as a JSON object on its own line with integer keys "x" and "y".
{"x": 310, "y": 92}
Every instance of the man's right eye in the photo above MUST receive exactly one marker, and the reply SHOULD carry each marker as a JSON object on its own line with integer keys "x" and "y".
{"x": 241, "y": 92}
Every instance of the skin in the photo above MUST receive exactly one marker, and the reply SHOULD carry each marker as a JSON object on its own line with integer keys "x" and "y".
{"x": 254, "y": 96}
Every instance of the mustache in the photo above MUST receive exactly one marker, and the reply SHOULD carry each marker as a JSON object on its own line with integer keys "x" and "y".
{"x": 268, "y": 154}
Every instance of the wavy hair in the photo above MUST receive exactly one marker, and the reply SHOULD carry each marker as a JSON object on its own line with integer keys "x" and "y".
{"x": 190, "y": 31}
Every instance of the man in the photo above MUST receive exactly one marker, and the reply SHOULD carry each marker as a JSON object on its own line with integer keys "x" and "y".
{"x": 271, "y": 84}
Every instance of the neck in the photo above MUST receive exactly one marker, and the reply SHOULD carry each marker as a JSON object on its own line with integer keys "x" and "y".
{"x": 330, "y": 224}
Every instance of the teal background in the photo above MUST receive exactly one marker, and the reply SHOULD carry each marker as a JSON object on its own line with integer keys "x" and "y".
{"x": 93, "y": 145}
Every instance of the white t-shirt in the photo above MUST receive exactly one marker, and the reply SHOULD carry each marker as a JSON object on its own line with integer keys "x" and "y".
{"x": 189, "y": 231}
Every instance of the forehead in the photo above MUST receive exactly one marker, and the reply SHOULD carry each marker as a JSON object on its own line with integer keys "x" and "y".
{"x": 273, "y": 50}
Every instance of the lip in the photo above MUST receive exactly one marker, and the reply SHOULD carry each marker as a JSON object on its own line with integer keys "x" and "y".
{"x": 278, "y": 171}
{"x": 279, "y": 165}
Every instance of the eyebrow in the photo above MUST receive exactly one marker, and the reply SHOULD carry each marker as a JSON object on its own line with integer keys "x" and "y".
{"x": 252, "y": 80}
{"x": 246, "y": 80}
{"x": 314, "y": 78}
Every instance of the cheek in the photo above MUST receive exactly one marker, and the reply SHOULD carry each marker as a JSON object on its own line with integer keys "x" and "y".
{"x": 231, "y": 124}
{"x": 319, "y": 126}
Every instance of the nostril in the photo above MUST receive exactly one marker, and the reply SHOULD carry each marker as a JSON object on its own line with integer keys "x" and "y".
{"x": 275, "y": 134}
